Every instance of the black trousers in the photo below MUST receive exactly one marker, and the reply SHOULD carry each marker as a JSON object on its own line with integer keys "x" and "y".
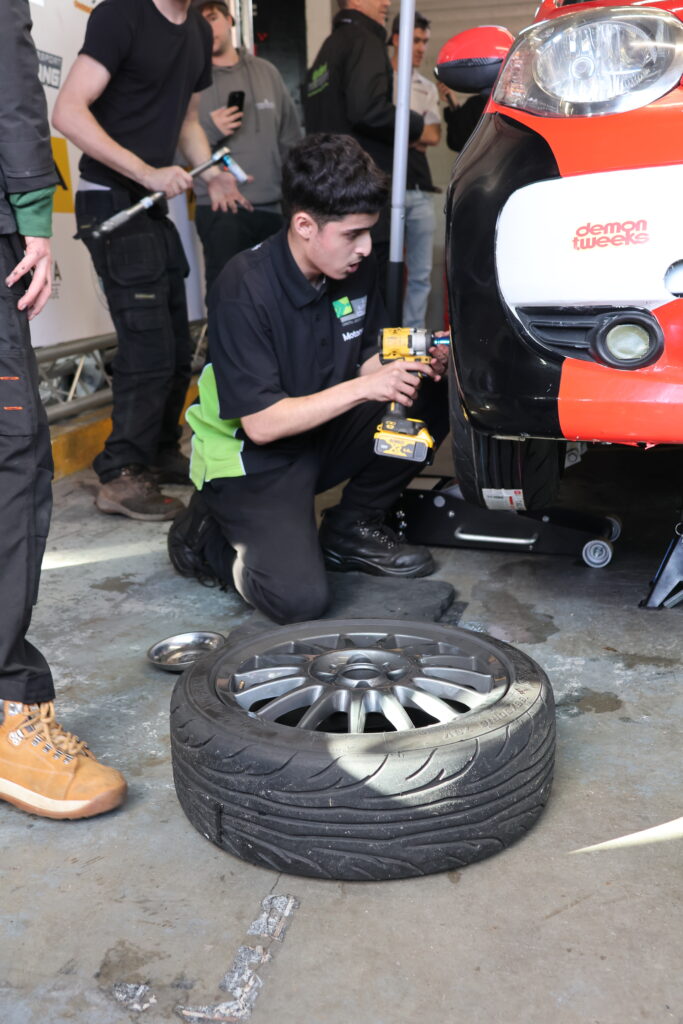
{"x": 263, "y": 531}
{"x": 223, "y": 235}
{"x": 25, "y": 493}
{"x": 142, "y": 267}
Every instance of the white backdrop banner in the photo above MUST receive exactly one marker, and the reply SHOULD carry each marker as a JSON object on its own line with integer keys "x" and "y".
{"x": 77, "y": 308}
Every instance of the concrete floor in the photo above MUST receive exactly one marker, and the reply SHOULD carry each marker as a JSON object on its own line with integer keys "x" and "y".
{"x": 579, "y": 923}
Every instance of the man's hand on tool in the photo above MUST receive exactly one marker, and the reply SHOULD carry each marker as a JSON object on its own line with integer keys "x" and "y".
{"x": 38, "y": 258}
{"x": 169, "y": 180}
{"x": 223, "y": 191}
{"x": 397, "y": 381}
{"x": 227, "y": 119}
{"x": 439, "y": 363}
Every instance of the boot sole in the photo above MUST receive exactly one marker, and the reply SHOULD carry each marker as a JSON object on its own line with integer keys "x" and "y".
{"x": 348, "y": 564}
{"x": 113, "y": 508}
{"x": 47, "y": 807}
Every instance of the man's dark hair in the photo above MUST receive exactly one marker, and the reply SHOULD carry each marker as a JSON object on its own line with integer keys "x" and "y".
{"x": 331, "y": 176}
{"x": 420, "y": 22}
{"x": 216, "y": 5}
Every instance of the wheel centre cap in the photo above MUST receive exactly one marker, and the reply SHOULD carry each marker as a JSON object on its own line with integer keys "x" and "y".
{"x": 356, "y": 669}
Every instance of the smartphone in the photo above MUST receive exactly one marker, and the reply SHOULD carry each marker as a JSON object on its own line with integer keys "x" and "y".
{"x": 236, "y": 99}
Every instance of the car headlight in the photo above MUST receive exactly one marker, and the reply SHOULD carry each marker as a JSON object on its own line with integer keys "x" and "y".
{"x": 596, "y": 62}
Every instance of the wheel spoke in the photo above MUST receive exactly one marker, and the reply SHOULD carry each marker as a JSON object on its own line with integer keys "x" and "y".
{"x": 474, "y": 680}
{"x": 469, "y": 671}
{"x": 432, "y": 706}
{"x": 273, "y": 659}
{"x": 319, "y": 710}
{"x": 394, "y": 712}
{"x": 250, "y": 695}
{"x": 453, "y": 691}
{"x": 356, "y": 713}
{"x": 303, "y": 696}
{"x": 257, "y": 676}
{"x": 418, "y": 650}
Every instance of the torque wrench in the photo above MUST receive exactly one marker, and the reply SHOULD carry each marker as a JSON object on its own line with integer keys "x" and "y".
{"x": 221, "y": 155}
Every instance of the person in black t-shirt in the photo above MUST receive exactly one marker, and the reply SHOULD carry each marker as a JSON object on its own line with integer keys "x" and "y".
{"x": 290, "y": 402}
{"x": 131, "y": 98}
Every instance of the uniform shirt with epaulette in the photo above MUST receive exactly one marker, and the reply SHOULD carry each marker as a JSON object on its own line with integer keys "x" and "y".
{"x": 274, "y": 335}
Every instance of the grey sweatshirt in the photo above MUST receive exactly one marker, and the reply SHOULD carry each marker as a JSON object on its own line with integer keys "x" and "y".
{"x": 270, "y": 125}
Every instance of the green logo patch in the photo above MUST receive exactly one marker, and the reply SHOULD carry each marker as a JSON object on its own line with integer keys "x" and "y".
{"x": 342, "y": 307}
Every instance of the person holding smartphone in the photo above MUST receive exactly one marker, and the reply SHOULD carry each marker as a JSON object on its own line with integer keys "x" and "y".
{"x": 248, "y": 103}
{"x": 131, "y": 98}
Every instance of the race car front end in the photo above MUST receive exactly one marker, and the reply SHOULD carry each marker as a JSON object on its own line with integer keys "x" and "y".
{"x": 564, "y": 235}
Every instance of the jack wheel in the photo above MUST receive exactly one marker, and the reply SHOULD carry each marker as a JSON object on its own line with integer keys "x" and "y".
{"x": 597, "y": 553}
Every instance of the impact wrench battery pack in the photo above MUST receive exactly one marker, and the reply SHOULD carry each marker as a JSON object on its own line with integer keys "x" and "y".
{"x": 397, "y": 435}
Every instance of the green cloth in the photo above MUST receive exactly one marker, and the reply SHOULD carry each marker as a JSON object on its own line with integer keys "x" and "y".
{"x": 216, "y": 451}
{"x": 33, "y": 211}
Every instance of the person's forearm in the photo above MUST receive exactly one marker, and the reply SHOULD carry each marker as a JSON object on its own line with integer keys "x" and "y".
{"x": 79, "y": 126}
{"x": 291, "y": 416}
{"x": 193, "y": 143}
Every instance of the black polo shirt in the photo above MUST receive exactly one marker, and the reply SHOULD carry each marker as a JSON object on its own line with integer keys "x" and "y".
{"x": 274, "y": 335}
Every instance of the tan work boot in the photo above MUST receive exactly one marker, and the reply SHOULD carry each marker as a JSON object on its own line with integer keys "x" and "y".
{"x": 134, "y": 493}
{"x": 47, "y": 771}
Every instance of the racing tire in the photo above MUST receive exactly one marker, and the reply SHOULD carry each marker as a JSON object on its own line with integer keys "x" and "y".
{"x": 363, "y": 750}
{"x": 487, "y": 467}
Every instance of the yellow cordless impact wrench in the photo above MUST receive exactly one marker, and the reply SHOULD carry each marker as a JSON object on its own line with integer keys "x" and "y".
{"x": 398, "y": 436}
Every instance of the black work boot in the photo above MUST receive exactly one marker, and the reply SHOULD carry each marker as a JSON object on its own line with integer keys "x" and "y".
{"x": 186, "y": 541}
{"x": 171, "y": 467}
{"x": 135, "y": 494}
{"x": 364, "y": 543}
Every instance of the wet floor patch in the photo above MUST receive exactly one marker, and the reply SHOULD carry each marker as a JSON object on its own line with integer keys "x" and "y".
{"x": 585, "y": 701}
{"x": 115, "y": 584}
{"x": 507, "y": 618}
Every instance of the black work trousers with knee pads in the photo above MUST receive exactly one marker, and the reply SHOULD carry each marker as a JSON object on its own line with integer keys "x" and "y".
{"x": 142, "y": 268}
{"x": 25, "y": 493}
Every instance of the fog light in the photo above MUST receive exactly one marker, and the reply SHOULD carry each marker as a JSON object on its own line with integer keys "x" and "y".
{"x": 628, "y": 339}
{"x": 627, "y": 342}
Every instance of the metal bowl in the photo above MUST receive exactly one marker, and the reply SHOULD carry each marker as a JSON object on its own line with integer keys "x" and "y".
{"x": 176, "y": 653}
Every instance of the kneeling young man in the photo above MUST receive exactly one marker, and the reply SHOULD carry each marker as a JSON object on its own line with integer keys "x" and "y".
{"x": 290, "y": 401}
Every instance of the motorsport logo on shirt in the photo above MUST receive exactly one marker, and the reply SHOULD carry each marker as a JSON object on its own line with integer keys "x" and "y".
{"x": 350, "y": 311}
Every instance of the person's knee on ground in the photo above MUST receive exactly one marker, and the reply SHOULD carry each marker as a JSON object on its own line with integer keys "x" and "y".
{"x": 283, "y": 600}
